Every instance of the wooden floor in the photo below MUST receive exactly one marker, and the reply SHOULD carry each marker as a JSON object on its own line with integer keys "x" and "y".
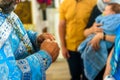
{"x": 58, "y": 71}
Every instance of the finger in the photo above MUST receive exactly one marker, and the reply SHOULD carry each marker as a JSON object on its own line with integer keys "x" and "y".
{"x": 48, "y": 41}
{"x": 49, "y": 46}
{"x": 56, "y": 51}
{"x": 68, "y": 55}
{"x": 45, "y": 44}
{"x": 50, "y": 36}
{"x": 93, "y": 46}
{"x": 64, "y": 55}
{"x": 97, "y": 46}
{"x": 98, "y": 25}
{"x": 55, "y": 47}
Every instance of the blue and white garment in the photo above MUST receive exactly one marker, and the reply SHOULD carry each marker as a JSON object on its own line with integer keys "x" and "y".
{"x": 16, "y": 45}
{"x": 93, "y": 60}
{"x": 109, "y": 77}
{"x": 115, "y": 61}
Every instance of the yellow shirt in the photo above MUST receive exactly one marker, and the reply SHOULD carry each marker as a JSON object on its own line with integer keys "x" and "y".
{"x": 76, "y": 15}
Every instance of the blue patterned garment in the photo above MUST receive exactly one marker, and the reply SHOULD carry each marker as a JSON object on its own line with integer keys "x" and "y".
{"x": 115, "y": 61}
{"x": 16, "y": 45}
{"x": 93, "y": 60}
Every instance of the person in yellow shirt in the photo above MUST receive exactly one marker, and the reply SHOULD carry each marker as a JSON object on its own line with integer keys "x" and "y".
{"x": 74, "y": 15}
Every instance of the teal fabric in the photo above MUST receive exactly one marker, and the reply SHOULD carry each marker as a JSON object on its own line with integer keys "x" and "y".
{"x": 115, "y": 61}
{"x": 16, "y": 63}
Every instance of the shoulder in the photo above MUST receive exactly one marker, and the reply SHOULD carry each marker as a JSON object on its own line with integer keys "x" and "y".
{"x": 68, "y": 3}
{"x": 64, "y": 2}
{"x": 14, "y": 17}
{"x": 14, "y": 14}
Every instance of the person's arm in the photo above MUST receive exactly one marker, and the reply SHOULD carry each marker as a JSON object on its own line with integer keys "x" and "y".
{"x": 108, "y": 66}
{"x": 62, "y": 28}
{"x": 95, "y": 12}
{"x": 100, "y": 36}
{"x": 62, "y": 23}
{"x": 32, "y": 67}
{"x": 93, "y": 29}
{"x": 62, "y": 34}
{"x": 88, "y": 31}
{"x": 110, "y": 38}
{"x": 38, "y": 62}
{"x": 35, "y": 65}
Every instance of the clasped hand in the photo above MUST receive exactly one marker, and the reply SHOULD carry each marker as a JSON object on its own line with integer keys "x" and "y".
{"x": 95, "y": 42}
{"x": 49, "y": 45}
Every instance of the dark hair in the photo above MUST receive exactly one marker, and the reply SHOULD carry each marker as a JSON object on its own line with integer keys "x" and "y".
{"x": 115, "y": 7}
{"x": 7, "y": 6}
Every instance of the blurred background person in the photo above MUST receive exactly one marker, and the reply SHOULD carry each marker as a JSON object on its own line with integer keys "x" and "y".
{"x": 74, "y": 15}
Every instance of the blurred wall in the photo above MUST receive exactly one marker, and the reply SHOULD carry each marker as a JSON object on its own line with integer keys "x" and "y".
{"x": 51, "y": 23}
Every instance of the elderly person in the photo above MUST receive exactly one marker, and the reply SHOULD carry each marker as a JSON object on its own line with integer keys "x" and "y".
{"x": 17, "y": 45}
{"x": 90, "y": 28}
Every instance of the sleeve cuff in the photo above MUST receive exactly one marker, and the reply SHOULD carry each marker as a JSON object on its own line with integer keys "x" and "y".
{"x": 45, "y": 58}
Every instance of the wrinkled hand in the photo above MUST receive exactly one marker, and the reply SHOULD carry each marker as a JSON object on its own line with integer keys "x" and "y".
{"x": 51, "y": 47}
{"x": 95, "y": 42}
{"x": 95, "y": 28}
{"x": 43, "y": 37}
{"x": 65, "y": 53}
